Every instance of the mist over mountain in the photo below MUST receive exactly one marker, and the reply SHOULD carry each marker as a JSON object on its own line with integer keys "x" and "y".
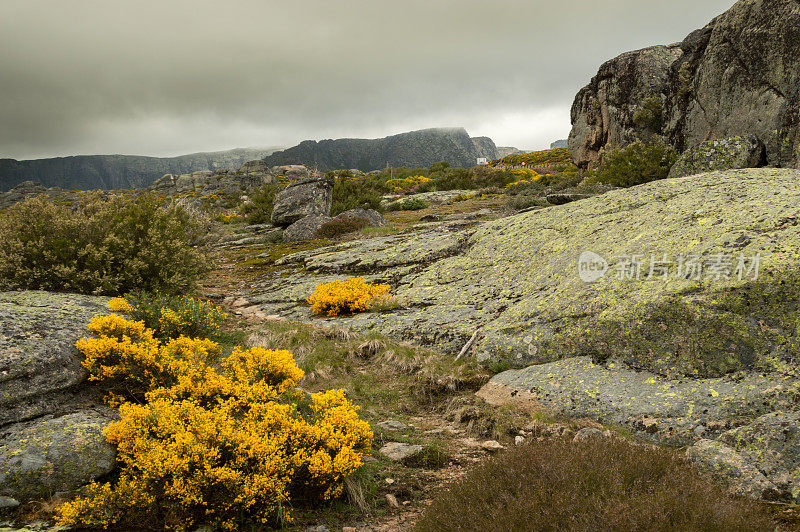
{"x": 414, "y": 149}
{"x": 107, "y": 172}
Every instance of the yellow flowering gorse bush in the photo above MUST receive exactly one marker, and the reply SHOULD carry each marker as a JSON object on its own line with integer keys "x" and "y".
{"x": 222, "y": 447}
{"x": 345, "y": 297}
{"x": 407, "y": 182}
{"x": 171, "y": 317}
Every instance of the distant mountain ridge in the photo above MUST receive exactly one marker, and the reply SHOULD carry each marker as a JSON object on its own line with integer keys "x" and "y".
{"x": 107, "y": 172}
{"x": 414, "y": 149}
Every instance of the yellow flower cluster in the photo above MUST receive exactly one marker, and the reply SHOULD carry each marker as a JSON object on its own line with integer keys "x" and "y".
{"x": 228, "y": 448}
{"x": 525, "y": 173}
{"x": 345, "y": 297}
{"x": 407, "y": 182}
{"x": 536, "y": 158}
{"x": 229, "y": 217}
{"x": 127, "y": 354}
{"x": 464, "y": 197}
{"x": 120, "y": 304}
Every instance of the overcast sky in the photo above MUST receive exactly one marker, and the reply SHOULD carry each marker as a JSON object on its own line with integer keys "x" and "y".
{"x": 166, "y": 77}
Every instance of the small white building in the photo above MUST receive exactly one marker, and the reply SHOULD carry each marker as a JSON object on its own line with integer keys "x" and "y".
{"x": 482, "y": 161}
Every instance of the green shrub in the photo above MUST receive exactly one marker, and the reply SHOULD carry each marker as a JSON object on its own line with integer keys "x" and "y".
{"x": 259, "y": 209}
{"x": 173, "y": 316}
{"x": 341, "y": 226}
{"x": 356, "y": 192}
{"x": 411, "y": 204}
{"x": 598, "y": 484}
{"x": 650, "y": 114}
{"x": 636, "y": 164}
{"x": 100, "y": 245}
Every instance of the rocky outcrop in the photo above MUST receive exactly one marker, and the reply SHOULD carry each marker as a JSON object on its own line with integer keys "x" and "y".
{"x": 739, "y": 75}
{"x": 304, "y": 198}
{"x": 415, "y": 149}
{"x": 760, "y": 459}
{"x": 109, "y": 172}
{"x": 484, "y": 147}
{"x": 561, "y": 143}
{"x": 725, "y": 154}
{"x": 249, "y": 176}
{"x": 51, "y": 420}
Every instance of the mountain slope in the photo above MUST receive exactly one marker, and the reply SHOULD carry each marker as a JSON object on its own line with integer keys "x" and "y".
{"x": 85, "y": 172}
{"x": 413, "y": 149}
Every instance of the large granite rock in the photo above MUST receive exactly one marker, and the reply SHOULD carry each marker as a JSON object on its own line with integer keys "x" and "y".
{"x": 40, "y": 368}
{"x": 305, "y": 228}
{"x": 306, "y": 197}
{"x": 739, "y": 75}
{"x": 41, "y": 457}
{"x": 374, "y": 218}
{"x": 725, "y": 154}
{"x": 517, "y": 279}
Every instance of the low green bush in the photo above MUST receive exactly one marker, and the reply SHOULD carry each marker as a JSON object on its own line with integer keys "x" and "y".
{"x": 341, "y": 226}
{"x": 598, "y": 484}
{"x": 411, "y": 204}
{"x": 356, "y": 192}
{"x": 100, "y": 245}
{"x": 636, "y": 164}
{"x": 259, "y": 209}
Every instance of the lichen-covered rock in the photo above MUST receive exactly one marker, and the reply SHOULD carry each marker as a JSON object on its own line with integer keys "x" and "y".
{"x": 772, "y": 444}
{"x": 725, "y": 464}
{"x": 374, "y": 218}
{"x": 305, "y": 228}
{"x": 663, "y": 410}
{"x": 40, "y": 368}
{"x": 292, "y": 171}
{"x": 303, "y": 198}
{"x": 736, "y": 76}
{"x": 51, "y": 454}
{"x": 517, "y": 279}
{"x": 725, "y": 154}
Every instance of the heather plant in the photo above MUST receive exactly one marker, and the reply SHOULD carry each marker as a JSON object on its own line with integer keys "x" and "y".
{"x": 357, "y": 192}
{"x": 231, "y": 447}
{"x": 172, "y": 316}
{"x": 100, "y": 245}
{"x": 345, "y": 297}
{"x": 597, "y": 484}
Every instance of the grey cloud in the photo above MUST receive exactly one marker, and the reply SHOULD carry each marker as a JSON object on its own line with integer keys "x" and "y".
{"x": 156, "y": 77}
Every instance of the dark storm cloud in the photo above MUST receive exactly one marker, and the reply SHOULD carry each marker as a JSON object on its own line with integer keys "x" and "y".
{"x": 168, "y": 77}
